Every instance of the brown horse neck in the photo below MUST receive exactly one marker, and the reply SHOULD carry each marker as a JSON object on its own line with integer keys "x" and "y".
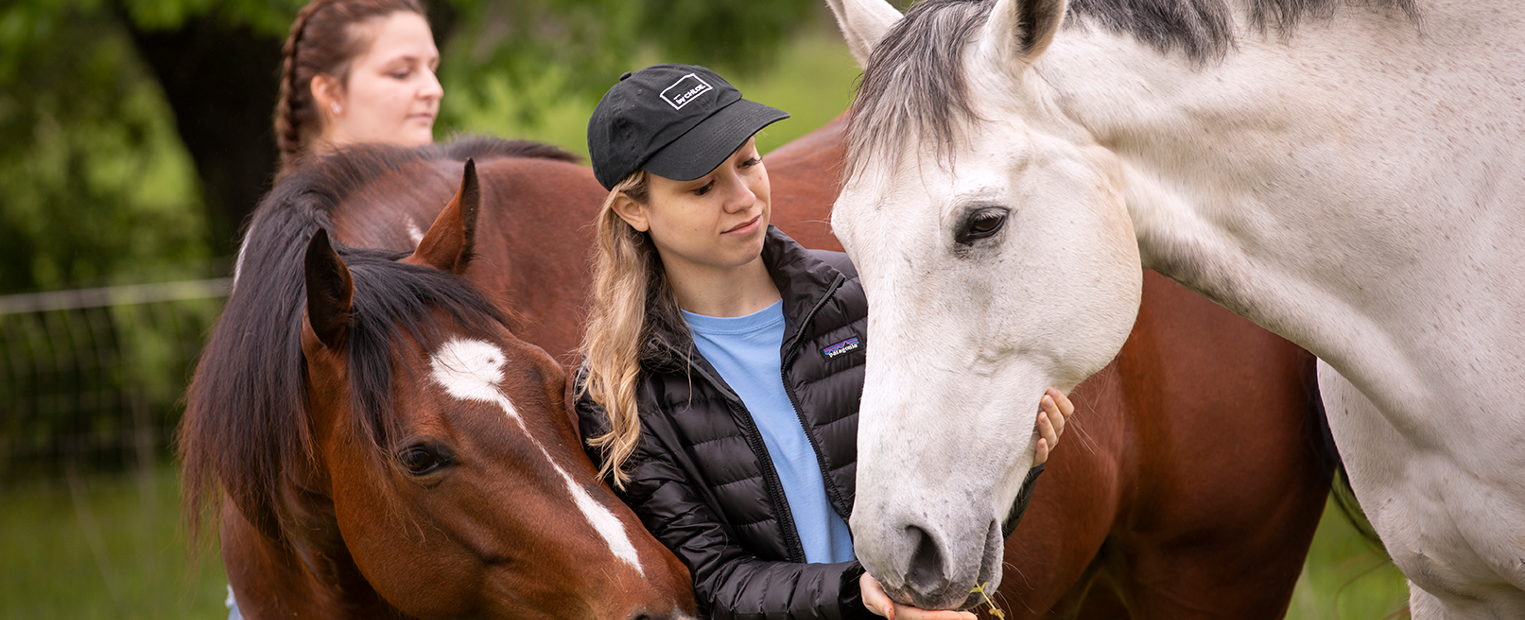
{"x": 309, "y": 575}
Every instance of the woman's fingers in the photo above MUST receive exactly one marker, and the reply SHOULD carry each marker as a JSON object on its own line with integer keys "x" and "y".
{"x": 1047, "y": 439}
{"x": 1065, "y": 406}
{"x": 874, "y": 597}
{"x": 879, "y": 603}
{"x": 912, "y": 613}
{"x": 1059, "y": 410}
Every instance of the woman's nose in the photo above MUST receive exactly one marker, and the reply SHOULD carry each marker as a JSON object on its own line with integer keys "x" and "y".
{"x": 741, "y": 197}
{"x": 431, "y": 88}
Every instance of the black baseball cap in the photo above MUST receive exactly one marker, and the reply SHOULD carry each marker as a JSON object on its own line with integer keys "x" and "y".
{"x": 675, "y": 121}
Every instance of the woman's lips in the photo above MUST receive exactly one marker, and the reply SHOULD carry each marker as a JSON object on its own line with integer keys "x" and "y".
{"x": 745, "y": 228}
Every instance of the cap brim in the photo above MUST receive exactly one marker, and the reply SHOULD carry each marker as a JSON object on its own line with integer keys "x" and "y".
{"x": 703, "y": 148}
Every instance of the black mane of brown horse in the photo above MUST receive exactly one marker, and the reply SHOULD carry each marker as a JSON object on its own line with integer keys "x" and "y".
{"x": 245, "y": 422}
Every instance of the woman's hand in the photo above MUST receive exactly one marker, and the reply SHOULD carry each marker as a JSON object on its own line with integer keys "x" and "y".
{"x": 875, "y": 599}
{"x": 1056, "y": 409}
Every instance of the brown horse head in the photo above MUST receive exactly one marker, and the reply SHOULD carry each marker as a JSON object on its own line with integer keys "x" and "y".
{"x": 424, "y": 465}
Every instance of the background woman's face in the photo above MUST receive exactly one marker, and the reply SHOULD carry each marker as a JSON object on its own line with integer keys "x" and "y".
{"x": 392, "y": 94}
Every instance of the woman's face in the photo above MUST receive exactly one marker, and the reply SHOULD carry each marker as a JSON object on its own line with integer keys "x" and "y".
{"x": 391, "y": 95}
{"x": 717, "y": 221}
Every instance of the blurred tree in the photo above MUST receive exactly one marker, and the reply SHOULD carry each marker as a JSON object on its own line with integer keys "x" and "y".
{"x": 74, "y": 73}
{"x": 92, "y": 179}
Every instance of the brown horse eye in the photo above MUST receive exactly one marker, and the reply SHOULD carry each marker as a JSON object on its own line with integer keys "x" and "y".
{"x": 419, "y": 460}
{"x": 981, "y": 224}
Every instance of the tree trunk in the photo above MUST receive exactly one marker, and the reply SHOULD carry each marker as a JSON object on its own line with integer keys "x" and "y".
{"x": 221, "y": 83}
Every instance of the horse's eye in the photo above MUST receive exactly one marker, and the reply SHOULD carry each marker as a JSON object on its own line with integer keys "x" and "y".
{"x": 981, "y": 224}
{"x": 422, "y": 459}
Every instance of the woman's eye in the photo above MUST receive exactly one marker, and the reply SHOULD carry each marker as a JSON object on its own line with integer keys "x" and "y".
{"x": 704, "y": 189}
{"x": 751, "y": 162}
{"x": 402, "y": 75}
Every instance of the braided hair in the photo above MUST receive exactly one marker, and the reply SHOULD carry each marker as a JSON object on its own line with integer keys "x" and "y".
{"x": 323, "y": 41}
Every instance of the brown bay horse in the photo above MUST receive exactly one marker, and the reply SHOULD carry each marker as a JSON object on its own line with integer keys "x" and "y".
{"x": 390, "y": 449}
{"x": 1189, "y": 485}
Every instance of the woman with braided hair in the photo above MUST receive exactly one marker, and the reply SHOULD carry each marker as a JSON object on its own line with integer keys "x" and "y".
{"x": 356, "y": 71}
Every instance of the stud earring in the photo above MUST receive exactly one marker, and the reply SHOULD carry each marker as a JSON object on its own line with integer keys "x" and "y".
{"x": 334, "y": 107}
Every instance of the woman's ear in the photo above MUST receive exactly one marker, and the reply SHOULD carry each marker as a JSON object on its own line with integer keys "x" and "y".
{"x": 634, "y": 213}
{"x": 328, "y": 94}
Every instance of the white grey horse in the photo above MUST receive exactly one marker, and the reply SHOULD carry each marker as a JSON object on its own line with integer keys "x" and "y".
{"x": 1349, "y": 174}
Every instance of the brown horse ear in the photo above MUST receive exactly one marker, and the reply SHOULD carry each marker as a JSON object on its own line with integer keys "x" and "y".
{"x": 330, "y": 291}
{"x": 447, "y": 245}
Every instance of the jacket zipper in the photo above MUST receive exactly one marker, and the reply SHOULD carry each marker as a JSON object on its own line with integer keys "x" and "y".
{"x": 770, "y": 474}
{"x": 837, "y": 501}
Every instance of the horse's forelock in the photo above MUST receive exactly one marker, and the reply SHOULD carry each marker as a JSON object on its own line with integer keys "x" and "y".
{"x": 914, "y": 87}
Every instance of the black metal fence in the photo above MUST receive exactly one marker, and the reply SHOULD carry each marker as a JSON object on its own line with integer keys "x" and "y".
{"x": 94, "y": 378}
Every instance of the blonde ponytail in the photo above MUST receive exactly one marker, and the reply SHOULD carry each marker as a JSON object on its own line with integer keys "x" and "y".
{"x": 627, "y": 280}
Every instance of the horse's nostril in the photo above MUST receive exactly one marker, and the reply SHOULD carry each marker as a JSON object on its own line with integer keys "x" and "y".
{"x": 925, "y": 574}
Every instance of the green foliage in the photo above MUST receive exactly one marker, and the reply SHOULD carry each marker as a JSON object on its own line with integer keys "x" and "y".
{"x": 93, "y": 180}
{"x": 811, "y": 79}
{"x": 565, "y": 51}
{"x": 1346, "y": 578}
{"x": 268, "y": 17}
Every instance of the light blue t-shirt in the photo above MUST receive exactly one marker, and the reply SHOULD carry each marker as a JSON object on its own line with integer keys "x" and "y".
{"x": 746, "y": 352}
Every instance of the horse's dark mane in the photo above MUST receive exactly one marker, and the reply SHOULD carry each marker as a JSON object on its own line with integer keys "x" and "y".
{"x": 246, "y": 424}
{"x": 914, "y": 85}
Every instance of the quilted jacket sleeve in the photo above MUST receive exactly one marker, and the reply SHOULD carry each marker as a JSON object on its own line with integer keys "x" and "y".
{"x": 729, "y": 582}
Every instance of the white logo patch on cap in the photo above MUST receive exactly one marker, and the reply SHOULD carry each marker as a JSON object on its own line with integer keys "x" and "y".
{"x": 686, "y": 89}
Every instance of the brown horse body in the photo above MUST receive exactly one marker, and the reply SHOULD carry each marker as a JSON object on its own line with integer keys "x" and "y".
{"x": 1188, "y": 485}
{"x": 370, "y": 471}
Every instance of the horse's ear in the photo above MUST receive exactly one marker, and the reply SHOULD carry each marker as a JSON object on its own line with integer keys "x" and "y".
{"x": 330, "y": 291}
{"x": 864, "y": 24}
{"x": 1019, "y": 30}
{"x": 447, "y": 245}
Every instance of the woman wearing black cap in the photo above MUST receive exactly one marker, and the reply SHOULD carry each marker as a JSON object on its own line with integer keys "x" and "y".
{"x": 723, "y": 362}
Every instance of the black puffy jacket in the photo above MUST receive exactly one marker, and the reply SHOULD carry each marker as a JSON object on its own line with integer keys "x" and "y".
{"x": 701, "y": 480}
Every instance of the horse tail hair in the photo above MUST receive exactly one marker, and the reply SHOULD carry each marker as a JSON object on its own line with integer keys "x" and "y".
{"x": 1330, "y": 462}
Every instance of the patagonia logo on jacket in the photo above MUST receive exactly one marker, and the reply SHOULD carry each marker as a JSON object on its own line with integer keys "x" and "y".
{"x": 846, "y": 346}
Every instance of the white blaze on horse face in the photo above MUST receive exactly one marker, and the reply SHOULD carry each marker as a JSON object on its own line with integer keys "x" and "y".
{"x": 967, "y": 334}
{"x": 471, "y": 370}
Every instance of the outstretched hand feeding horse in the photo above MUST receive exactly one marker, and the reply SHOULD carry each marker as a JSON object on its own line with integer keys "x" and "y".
{"x": 1354, "y": 187}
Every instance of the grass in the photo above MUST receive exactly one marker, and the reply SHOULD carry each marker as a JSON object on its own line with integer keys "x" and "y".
{"x": 1345, "y": 577}
{"x": 102, "y": 547}
{"x": 111, "y": 547}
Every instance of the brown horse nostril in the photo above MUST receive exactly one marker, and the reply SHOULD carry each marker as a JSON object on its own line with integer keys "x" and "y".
{"x": 925, "y": 574}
